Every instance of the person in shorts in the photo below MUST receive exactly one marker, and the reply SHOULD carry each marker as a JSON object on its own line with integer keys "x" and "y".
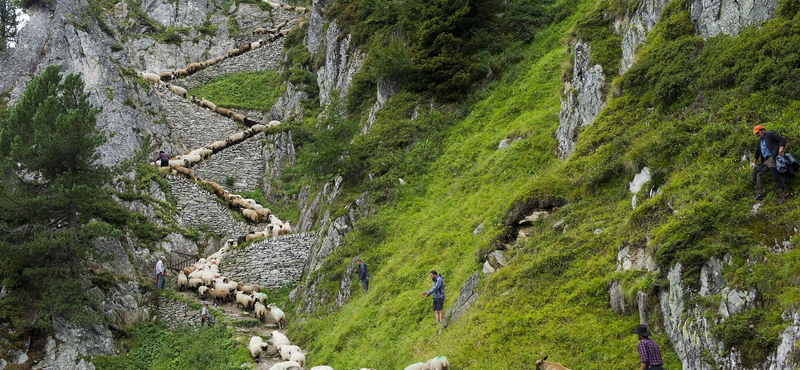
{"x": 437, "y": 291}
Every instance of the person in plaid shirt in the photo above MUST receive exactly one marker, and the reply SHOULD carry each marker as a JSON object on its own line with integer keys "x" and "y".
{"x": 649, "y": 353}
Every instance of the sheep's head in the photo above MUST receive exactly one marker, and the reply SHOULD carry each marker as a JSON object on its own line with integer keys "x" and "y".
{"x": 540, "y": 362}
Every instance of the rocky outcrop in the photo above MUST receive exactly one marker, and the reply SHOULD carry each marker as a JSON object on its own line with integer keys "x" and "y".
{"x": 278, "y": 154}
{"x": 387, "y": 88}
{"x": 342, "y": 61}
{"x": 637, "y": 183}
{"x": 634, "y": 29}
{"x": 582, "y": 99}
{"x": 466, "y": 297}
{"x": 288, "y": 107}
{"x": 714, "y": 17}
{"x": 176, "y": 314}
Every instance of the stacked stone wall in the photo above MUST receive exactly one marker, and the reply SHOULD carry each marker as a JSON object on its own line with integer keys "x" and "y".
{"x": 176, "y": 313}
{"x": 200, "y": 209}
{"x": 193, "y": 126}
{"x": 244, "y": 161}
{"x": 271, "y": 263}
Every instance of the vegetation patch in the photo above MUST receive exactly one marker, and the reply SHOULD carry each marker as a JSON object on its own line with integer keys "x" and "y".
{"x": 247, "y": 90}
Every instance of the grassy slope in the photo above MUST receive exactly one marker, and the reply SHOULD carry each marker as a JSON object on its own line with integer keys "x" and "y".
{"x": 553, "y": 298}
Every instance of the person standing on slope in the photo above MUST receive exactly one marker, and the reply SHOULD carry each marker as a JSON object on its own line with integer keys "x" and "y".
{"x": 160, "y": 273}
{"x": 770, "y": 146}
{"x": 437, "y": 291}
{"x": 362, "y": 274}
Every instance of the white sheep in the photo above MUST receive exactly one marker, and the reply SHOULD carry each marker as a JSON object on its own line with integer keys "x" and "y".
{"x": 195, "y": 282}
{"x": 298, "y": 356}
{"x": 243, "y": 299}
{"x": 286, "y": 351}
{"x": 286, "y": 229}
{"x": 177, "y": 90}
{"x": 258, "y": 128}
{"x": 438, "y": 363}
{"x": 286, "y": 365}
{"x": 275, "y": 221}
{"x": 259, "y": 311}
{"x": 417, "y": 366}
{"x": 151, "y": 77}
{"x": 279, "y": 339}
{"x": 277, "y": 315}
{"x": 323, "y": 367}
{"x": 259, "y": 31}
{"x": 183, "y": 281}
{"x": 202, "y": 291}
{"x": 261, "y": 297}
{"x": 257, "y": 347}
{"x": 253, "y": 236}
{"x": 273, "y": 123}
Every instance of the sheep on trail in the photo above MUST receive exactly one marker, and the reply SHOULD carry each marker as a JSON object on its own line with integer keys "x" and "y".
{"x": 219, "y": 295}
{"x": 151, "y": 77}
{"x": 279, "y": 339}
{"x": 183, "y": 281}
{"x": 259, "y": 31}
{"x": 249, "y": 289}
{"x": 286, "y": 365}
{"x": 438, "y": 363}
{"x": 257, "y": 347}
{"x": 253, "y": 236}
{"x": 277, "y": 315}
{"x": 298, "y": 357}
{"x": 177, "y": 90}
{"x": 202, "y": 291}
{"x": 286, "y": 351}
{"x": 251, "y": 215}
{"x": 259, "y": 311}
{"x": 166, "y": 75}
{"x": 195, "y": 282}
{"x": 545, "y": 365}
{"x": 223, "y": 111}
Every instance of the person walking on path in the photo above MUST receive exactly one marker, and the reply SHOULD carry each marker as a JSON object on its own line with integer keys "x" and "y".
{"x": 437, "y": 291}
{"x": 770, "y": 146}
{"x": 204, "y": 315}
{"x": 164, "y": 158}
{"x": 362, "y": 274}
{"x": 649, "y": 353}
{"x": 160, "y": 273}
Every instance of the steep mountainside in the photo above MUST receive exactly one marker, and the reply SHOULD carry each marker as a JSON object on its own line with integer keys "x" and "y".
{"x": 572, "y": 169}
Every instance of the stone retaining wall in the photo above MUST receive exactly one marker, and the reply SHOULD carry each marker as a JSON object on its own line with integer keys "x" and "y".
{"x": 193, "y": 126}
{"x": 176, "y": 313}
{"x": 200, "y": 209}
{"x": 272, "y": 263}
{"x": 244, "y": 161}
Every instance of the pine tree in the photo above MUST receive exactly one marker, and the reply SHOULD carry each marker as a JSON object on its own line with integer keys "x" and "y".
{"x": 51, "y": 193}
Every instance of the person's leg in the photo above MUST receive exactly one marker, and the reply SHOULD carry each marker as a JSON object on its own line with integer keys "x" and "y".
{"x": 758, "y": 177}
{"x": 365, "y": 285}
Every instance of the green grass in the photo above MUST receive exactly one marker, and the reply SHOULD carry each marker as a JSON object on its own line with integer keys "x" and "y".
{"x": 247, "y": 90}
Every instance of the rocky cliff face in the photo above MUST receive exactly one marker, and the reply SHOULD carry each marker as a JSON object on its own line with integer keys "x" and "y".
{"x": 582, "y": 99}
{"x": 714, "y": 17}
{"x": 634, "y": 29}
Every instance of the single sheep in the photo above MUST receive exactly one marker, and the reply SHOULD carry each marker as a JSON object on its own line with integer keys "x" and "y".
{"x": 166, "y": 75}
{"x": 286, "y": 351}
{"x": 298, "y": 356}
{"x": 257, "y": 347}
{"x": 273, "y": 123}
{"x": 238, "y": 117}
{"x": 219, "y": 295}
{"x": 438, "y": 363}
{"x": 235, "y": 138}
{"x": 223, "y": 111}
{"x": 259, "y": 31}
{"x": 259, "y": 310}
{"x": 249, "y": 289}
{"x": 202, "y": 291}
{"x": 255, "y": 45}
{"x": 253, "y": 236}
{"x": 151, "y": 77}
{"x": 286, "y": 365}
{"x": 208, "y": 104}
{"x": 286, "y": 229}
{"x": 277, "y": 315}
{"x": 251, "y": 215}
{"x": 244, "y": 48}
{"x": 183, "y": 281}
{"x": 417, "y": 366}
{"x": 279, "y": 339}
{"x": 244, "y": 299}
{"x": 233, "y": 53}
{"x": 546, "y": 365}
{"x": 193, "y": 67}
{"x": 177, "y": 90}
{"x": 261, "y": 297}
{"x": 195, "y": 282}
{"x": 258, "y": 128}
{"x": 217, "y": 146}
{"x": 275, "y": 221}
{"x": 181, "y": 73}
{"x": 184, "y": 171}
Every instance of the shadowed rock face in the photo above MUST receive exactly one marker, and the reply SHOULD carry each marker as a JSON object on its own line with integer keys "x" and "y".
{"x": 634, "y": 30}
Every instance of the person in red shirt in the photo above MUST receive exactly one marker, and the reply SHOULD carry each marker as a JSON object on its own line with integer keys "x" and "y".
{"x": 649, "y": 353}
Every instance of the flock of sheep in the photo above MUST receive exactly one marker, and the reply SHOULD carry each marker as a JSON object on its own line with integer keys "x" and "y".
{"x": 204, "y": 277}
{"x": 294, "y": 358}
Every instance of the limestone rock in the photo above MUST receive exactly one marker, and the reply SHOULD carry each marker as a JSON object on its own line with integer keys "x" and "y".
{"x": 581, "y": 101}
{"x": 386, "y": 89}
{"x": 635, "y": 27}
{"x": 638, "y": 182}
{"x": 714, "y": 17}
{"x": 466, "y": 297}
{"x": 617, "y": 299}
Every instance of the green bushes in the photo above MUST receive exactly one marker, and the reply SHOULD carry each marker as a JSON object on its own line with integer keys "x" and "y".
{"x": 246, "y": 90}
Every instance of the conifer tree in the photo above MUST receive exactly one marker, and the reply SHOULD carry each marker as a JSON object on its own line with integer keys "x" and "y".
{"x": 51, "y": 196}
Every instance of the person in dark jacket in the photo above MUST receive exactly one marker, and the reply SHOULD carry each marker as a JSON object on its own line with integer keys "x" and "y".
{"x": 164, "y": 158}
{"x": 770, "y": 146}
{"x": 437, "y": 291}
{"x": 362, "y": 274}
